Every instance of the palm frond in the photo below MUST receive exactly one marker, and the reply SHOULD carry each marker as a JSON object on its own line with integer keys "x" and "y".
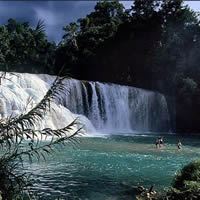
{"x": 40, "y": 27}
{"x": 39, "y": 148}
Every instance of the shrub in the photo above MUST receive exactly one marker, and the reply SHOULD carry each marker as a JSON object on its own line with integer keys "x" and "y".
{"x": 186, "y": 184}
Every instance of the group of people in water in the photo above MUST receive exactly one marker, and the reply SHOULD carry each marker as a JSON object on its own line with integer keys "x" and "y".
{"x": 160, "y": 143}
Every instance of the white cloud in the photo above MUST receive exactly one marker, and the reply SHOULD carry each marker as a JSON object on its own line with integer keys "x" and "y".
{"x": 50, "y": 18}
{"x": 127, "y": 4}
{"x": 58, "y": 14}
{"x": 195, "y": 5}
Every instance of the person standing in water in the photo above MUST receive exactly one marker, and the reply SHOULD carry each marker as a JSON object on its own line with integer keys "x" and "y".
{"x": 161, "y": 142}
{"x": 179, "y": 145}
{"x": 157, "y": 143}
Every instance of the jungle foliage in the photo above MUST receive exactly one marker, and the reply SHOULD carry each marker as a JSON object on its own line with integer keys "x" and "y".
{"x": 186, "y": 184}
{"x": 25, "y": 49}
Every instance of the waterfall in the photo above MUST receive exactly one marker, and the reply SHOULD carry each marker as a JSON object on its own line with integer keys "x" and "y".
{"x": 101, "y": 107}
{"x": 116, "y": 108}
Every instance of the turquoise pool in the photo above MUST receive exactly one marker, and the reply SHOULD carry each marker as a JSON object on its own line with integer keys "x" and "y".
{"x": 106, "y": 168}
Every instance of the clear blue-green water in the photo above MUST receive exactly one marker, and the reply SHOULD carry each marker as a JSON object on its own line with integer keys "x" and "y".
{"x": 106, "y": 168}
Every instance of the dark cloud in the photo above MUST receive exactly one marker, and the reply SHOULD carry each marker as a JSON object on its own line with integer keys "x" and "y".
{"x": 55, "y": 14}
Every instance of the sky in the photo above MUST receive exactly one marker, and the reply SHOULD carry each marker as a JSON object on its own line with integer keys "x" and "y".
{"x": 55, "y": 14}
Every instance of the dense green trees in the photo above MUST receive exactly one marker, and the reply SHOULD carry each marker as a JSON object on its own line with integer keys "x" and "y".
{"x": 23, "y": 48}
{"x": 154, "y": 45}
{"x": 82, "y": 39}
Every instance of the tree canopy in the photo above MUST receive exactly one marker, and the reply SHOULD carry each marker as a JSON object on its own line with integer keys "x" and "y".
{"x": 23, "y": 48}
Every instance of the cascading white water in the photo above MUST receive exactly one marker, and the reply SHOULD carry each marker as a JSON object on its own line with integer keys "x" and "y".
{"x": 116, "y": 108}
{"x": 100, "y": 106}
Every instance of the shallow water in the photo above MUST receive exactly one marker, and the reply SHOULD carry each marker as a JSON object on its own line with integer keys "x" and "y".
{"x": 106, "y": 168}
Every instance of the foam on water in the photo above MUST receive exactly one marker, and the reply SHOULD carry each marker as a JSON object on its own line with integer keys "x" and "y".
{"x": 21, "y": 92}
{"x": 102, "y": 108}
